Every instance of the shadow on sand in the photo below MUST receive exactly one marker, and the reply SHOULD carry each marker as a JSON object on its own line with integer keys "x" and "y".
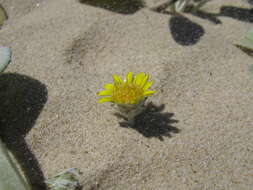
{"x": 242, "y": 14}
{"x": 118, "y": 6}
{"x": 185, "y": 32}
{"x": 22, "y": 99}
{"x": 152, "y": 122}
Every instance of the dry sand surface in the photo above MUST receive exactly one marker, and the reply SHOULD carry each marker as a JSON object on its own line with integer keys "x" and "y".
{"x": 199, "y": 133}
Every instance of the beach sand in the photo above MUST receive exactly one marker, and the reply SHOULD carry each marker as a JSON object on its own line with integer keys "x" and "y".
{"x": 199, "y": 133}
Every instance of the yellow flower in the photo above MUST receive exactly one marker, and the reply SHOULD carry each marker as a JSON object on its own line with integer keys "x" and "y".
{"x": 130, "y": 91}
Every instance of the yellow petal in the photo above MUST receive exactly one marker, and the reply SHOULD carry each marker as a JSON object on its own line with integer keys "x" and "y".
{"x": 129, "y": 77}
{"x": 148, "y": 93}
{"x": 105, "y": 99}
{"x": 117, "y": 80}
{"x": 147, "y": 85}
{"x": 138, "y": 78}
{"x": 105, "y": 93}
{"x": 144, "y": 80}
{"x": 109, "y": 87}
{"x": 135, "y": 78}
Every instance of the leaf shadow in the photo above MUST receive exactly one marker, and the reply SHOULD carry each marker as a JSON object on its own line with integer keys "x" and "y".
{"x": 242, "y": 14}
{"x": 118, "y": 6}
{"x": 246, "y": 50}
{"x": 184, "y": 31}
{"x": 212, "y": 17}
{"x": 153, "y": 122}
{"x": 22, "y": 99}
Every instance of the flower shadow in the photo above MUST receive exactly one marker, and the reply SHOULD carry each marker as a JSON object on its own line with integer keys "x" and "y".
{"x": 152, "y": 122}
{"x": 118, "y": 6}
{"x": 22, "y": 99}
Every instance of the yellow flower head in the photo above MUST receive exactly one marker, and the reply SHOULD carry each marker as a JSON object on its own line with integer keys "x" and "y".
{"x": 130, "y": 91}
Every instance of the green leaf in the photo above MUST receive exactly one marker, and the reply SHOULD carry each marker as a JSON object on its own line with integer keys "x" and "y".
{"x": 180, "y": 5}
{"x": 5, "y": 57}
{"x": 11, "y": 177}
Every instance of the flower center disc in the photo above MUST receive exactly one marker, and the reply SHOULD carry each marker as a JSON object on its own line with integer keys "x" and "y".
{"x": 127, "y": 94}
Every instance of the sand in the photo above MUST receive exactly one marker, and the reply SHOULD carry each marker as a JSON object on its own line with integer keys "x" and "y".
{"x": 199, "y": 133}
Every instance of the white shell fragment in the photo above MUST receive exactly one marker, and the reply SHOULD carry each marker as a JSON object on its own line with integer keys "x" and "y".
{"x": 5, "y": 57}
